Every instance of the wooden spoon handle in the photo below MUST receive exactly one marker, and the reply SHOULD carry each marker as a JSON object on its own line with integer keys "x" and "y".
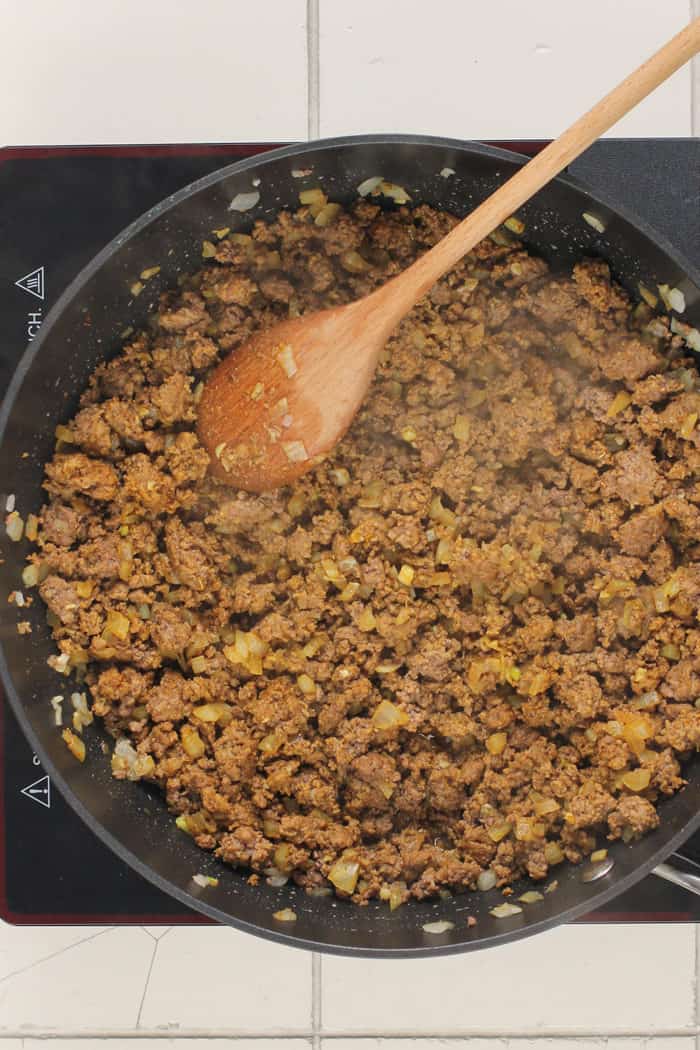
{"x": 406, "y": 289}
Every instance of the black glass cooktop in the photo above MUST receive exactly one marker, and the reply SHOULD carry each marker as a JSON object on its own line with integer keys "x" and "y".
{"x": 58, "y": 207}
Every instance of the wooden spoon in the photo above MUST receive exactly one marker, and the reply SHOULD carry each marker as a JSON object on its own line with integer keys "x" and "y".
{"x": 273, "y": 408}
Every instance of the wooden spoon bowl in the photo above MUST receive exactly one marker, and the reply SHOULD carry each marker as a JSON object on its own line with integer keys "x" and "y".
{"x": 268, "y": 413}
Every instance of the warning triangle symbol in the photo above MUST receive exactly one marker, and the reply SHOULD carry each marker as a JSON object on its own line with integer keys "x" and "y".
{"x": 39, "y": 791}
{"x": 33, "y": 282}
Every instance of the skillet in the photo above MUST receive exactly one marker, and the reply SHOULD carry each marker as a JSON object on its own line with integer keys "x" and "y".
{"x": 84, "y": 327}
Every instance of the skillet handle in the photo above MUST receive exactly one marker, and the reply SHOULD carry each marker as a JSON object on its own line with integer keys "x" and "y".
{"x": 671, "y": 873}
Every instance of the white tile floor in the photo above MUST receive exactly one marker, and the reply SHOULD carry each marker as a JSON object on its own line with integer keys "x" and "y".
{"x": 224, "y": 70}
{"x": 573, "y": 987}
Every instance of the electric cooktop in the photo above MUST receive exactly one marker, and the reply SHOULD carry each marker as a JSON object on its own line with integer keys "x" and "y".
{"x": 58, "y": 207}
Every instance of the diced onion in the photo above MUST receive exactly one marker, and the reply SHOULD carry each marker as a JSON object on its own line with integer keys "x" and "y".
{"x": 499, "y": 831}
{"x": 56, "y": 703}
{"x": 553, "y": 853}
{"x": 387, "y": 667}
{"x": 216, "y": 712}
{"x": 496, "y": 743}
{"x": 128, "y": 762}
{"x": 295, "y": 451}
{"x": 688, "y": 425}
{"x": 462, "y": 428}
{"x": 514, "y": 224}
{"x": 406, "y": 575}
{"x": 31, "y": 529}
{"x": 619, "y": 403}
{"x": 30, "y": 575}
{"x": 244, "y": 201}
{"x": 487, "y": 880}
{"x": 368, "y": 185}
{"x": 82, "y": 715}
{"x": 204, "y": 880}
{"x": 116, "y": 625}
{"x": 396, "y": 193}
{"x": 648, "y": 297}
{"x": 61, "y": 662}
{"x": 307, "y": 685}
{"x": 436, "y": 928}
{"x": 531, "y": 897}
{"x": 544, "y": 806}
{"x": 389, "y": 716}
{"x": 353, "y": 262}
{"x": 672, "y": 298}
{"x": 446, "y": 172}
{"x": 505, "y": 910}
{"x": 344, "y": 875}
{"x": 285, "y": 915}
{"x": 691, "y": 335}
{"x": 74, "y": 744}
{"x": 192, "y": 743}
{"x": 286, "y": 360}
{"x": 312, "y": 197}
{"x": 594, "y": 221}
{"x": 637, "y": 779}
{"x": 327, "y": 214}
{"x": 14, "y": 526}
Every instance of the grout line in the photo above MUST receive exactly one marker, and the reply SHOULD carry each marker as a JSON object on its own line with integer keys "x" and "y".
{"x": 170, "y": 1035}
{"x": 53, "y": 955}
{"x": 523, "y": 1035}
{"x": 528, "y": 1036}
{"x": 316, "y": 1000}
{"x": 313, "y": 68}
{"x": 147, "y": 982}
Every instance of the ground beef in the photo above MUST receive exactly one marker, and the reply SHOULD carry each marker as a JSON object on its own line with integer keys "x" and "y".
{"x": 443, "y": 650}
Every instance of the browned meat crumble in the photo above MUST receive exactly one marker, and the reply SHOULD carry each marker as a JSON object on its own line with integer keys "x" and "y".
{"x": 466, "y": 643}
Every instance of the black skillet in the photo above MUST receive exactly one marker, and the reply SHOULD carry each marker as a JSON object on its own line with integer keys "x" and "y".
{"x": 84, "y": 327}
